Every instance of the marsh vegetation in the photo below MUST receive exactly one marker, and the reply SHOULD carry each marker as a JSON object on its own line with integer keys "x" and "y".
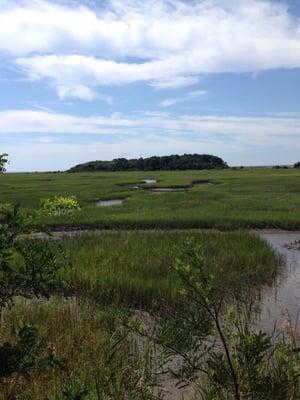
{"x": 113, "y": 309}
{"x": 247, "y": 198}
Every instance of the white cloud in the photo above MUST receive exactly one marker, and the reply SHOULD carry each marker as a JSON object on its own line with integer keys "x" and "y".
{"x": 43, "y": 108}
{"x": 43, "y": 139}
{"x": 189, "y": 96}
{"x": 31, "y": 121}
{"x": 175, "y": 83}
{"x": 80, "y": 91}
{"x": 262, "y": 130}
{"x": 171, "y": 41}
{"x": 39, "y": 137}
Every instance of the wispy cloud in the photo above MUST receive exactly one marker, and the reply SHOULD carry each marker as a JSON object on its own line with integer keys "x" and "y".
{"x": 43, "y": 139}
{"x": 260, "y": 130}
{"x": 79, "y": 48}
{"x": 175, "y": 82}
{"x": 79, "y": 91}
{"x": 187, "y": 97}
{"x": 43, "y": 108}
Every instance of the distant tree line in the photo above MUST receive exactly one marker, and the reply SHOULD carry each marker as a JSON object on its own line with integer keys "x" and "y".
{"x": 155, "y": 163}
{"x": 296, "y": 165}
{"x": 280, "y": 167}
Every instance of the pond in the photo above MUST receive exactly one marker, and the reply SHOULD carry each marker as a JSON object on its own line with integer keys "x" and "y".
{"x": 109, "y": 203}
{"x": 149, "y": 181}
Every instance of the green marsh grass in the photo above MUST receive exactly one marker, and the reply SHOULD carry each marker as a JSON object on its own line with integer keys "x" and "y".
{"x": 246, "y": 198}
{"x": 111, "y": 272}
{"x": 133, "y": 268}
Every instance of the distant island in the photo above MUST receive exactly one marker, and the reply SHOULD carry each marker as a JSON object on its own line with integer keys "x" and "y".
{"x": 164, "y": 163}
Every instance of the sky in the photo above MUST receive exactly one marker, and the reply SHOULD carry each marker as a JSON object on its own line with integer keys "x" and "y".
{"x": 82, "y": 80}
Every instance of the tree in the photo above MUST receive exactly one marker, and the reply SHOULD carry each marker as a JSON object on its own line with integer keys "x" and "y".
{"x": 3, "y": 162}
{"x": 27, "y": 268}
{"x": 39, "y": 261}
{"x": 297, "y": 164}
{"x": 155, "y": 163}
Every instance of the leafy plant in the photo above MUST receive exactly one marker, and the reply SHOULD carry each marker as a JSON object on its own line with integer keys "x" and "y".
{"x": 75, "y": 389}
{"x": 59, "y": 205}
{"x": 27, "y": 267}
{"x": 4, "y": 207}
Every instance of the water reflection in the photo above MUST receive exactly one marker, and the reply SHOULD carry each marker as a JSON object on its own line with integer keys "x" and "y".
{"x": 281, "y": 303}
{"x": 109, "y": 203}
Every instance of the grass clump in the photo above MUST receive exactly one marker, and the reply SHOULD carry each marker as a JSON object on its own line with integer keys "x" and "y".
{"x": 132, "y": 268}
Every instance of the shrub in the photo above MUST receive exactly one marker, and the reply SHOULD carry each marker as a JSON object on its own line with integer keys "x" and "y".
{"x": 59, "y": 205}
{"x": 27, "y": 267}
{"x": 5, "y": 207}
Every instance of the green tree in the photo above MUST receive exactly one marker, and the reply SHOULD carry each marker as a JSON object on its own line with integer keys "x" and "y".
{"x": 3, "y": 162}
{"x": 27, "y": 268}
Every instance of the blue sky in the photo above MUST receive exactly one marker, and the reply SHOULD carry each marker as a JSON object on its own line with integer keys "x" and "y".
{"x": 83, "y": 80}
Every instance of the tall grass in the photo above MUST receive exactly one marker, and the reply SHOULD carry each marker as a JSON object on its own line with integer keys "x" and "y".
{"x": 133, "y": 268}
{"x": 109, "y": 272}
{"x": 84, "y": 338}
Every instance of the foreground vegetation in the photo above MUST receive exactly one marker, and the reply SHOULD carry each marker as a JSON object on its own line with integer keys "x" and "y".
{"x": 92, "y": 340}
{"x": 243, "y": 198}
{"x": 92, "y": 359}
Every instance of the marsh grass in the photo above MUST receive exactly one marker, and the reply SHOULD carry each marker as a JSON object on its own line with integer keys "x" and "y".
{"x": 94, "y": 357}
{"x": 133, "y": 268}
{"x": 110, "y": 273}
{"x": 248, "y": 198}
{"x": 76, "y": 334}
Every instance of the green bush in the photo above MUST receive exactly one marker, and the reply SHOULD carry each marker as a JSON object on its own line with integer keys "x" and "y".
{"x": 4, "y": 207}
{"x": 59, "y": 205}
